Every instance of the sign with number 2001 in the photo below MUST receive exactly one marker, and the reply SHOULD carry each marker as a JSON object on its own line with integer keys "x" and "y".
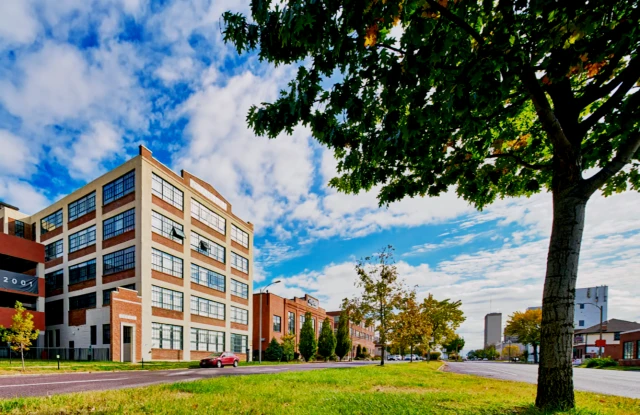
{"x": 18, "y": 282}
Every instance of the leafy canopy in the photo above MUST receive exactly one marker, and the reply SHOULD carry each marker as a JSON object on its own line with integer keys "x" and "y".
{"x": 525, "y": 325}
{"x": 495, "y": 97}
{"x": 444, "y": 317}
{"x": 410, "y": 326}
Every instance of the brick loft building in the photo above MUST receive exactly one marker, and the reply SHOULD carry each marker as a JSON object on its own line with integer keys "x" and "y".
{"x": 281, "y": 316}
{"x": 143, "y": 262}
{"x": 360, "y": 335}
{"x": 21, "y": 268}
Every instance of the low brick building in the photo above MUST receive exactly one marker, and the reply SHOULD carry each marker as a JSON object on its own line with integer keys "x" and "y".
{"x": 630, "y": 341}
{"x": 584, "y": 342}
{"x": 360, "y": 335}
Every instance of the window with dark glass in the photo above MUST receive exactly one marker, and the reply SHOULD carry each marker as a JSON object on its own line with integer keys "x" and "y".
{"x": 82, "y": 301}
{"x": 166, "y": 298}
{"x": 238, "y": 343}
{"x": 53, "y": 250}
{"x": 94, "y": 335}
{"x": 627, "y": 350}
{"x": 119, "y": 224}
{"x": 166, "y": 336}
{"x": 119, "y": 261}
{"x": 292, "y": 322}
{"x": 616, "y": 336}
{"x": 581, "y": 323}
{"x": 106, "y": 333}
{"x": 239, "y": 315}
{"x": 239, "y": 289}
{"x": 208, "y": 278}
{"x": 207, "y": 247}
{"x": 239, "y": 236}
{"x": 165, "y": 263}
{"x": 82, "y": 239}
{"x": 106, "y": 294}
{"x": 166, "y": 191}
{"x": 166, "y": 227}
{"x": 638, "y": 349}
{"x": 239, "y": 262}
{"x": 82, "y": 206}
{"x": 51, "y": 222}
{"x": 207, "y": 340}
{"x": 82, "y": 272}
{"x": 277, "y": 323}
{"x": 19, "y": 229}
{"x": 118, "y": 188}
{"x": 53, "y": 281}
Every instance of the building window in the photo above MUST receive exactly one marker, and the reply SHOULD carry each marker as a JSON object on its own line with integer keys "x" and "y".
{"x": 53, "y": 281}
{"x": 301, "y": 321}
{"x": 581, "y": 323}
{"x": 239, "y": 343}
{"x": 207, "y": 247}
{"x": 165, "y": 263}
{"x": 82, "y": 239}
{"x": 94, "y": 335}
{"x": 53, "y": 250}
{"x": 581, "y": 306}
{"x": 118, "y": 188}
{"x": 208, "y": 278}
{"x": 82, "y": 301}
{"x": 207, "y": 340}
{"x": 106, "y": 334}
{"x": 240, "y": 263}
{"x": 119, "y": 261}
{"x": 239, "y": 289}
{"x": 106, "y": 294}
{"x": 277, "y": 324}
{"x": 208, "y": 217}
{"x": 207, "y": 308}
{"x": 82, "y": 272}
{"x": 166, "y": 336}
{"x": 19, "y": 229}
{"x": 292, "y": 322}
{"x": 627, "y": 350}
{"x": 239, "y": 315}
{"x": 166, "y": 227}
{"x": 166, "y": 298}
{"x": 82, "y": 206}
{"x": 616, "y": 336}
{"x": 167, "y": 192}
{"x": 638, "y": 349}
{"x": 239, "y": 236}
{"x": 51, "y": 222}
{"x": 119, "y": 224}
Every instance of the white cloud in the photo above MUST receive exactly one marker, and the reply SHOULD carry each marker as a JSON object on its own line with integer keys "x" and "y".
{"x": 447, "y": 243}
{"x": 17, "y": 158}
{"x": 17, "y": 23}
{"x": 23, "y": 195}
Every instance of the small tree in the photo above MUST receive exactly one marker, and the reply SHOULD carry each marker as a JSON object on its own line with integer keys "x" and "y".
{"x": 327, "y": 340}
{"x": 444, "y": 317}
{"x": 527, "y": 327}
{"x": 454, "y": 345}
{"x": 410, "y": 325}
{"x": 343, "y": 340}
{"x": 509, "y": 352}
{"x": 365, "y": 353}
{"x": 308, "y": 343}
{"x": 359, "y": 351}
{"x": 274, "y": 351}
{"x": 21, "y": 332}
{"x": 288, "y": 347}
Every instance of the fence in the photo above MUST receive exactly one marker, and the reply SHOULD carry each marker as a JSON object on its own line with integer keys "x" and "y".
{"x": 51, "y": 353}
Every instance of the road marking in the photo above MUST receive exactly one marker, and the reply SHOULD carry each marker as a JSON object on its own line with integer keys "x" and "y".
{"x": 56, "y": 383}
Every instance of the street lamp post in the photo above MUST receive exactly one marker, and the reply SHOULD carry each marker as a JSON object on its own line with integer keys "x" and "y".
{"x": 260, "y": 322}
{"x": 600, "y": 347}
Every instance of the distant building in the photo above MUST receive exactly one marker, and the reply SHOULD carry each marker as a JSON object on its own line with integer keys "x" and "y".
{"x": 360, "y": 335}
{"x": 584, "y": 341}
{"x": 586, "y": 314}
{"x": 492, "y": 329}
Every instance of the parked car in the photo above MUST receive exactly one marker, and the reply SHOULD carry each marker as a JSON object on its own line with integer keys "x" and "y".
{"x": 393, "y": 357}
{"x": 408, "y": 357}
{"x": 220, "y": 360}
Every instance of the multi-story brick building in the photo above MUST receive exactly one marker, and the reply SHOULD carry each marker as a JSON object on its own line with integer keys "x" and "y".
{"x": 281, "y": 316}
{"x": 148, "y": 263}
{"x": 21, "y": 267}
{"x": 360, "y": 334}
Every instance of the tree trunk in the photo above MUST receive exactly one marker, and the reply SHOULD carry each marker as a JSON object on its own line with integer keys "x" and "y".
{"x": 22, "y": 356}
{"x": 555, "y": 372}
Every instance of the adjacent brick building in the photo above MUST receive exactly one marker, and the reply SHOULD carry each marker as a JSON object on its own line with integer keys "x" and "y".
{"x": 630, "y": 341}
{"x": 584, "y": 342}
{"x": 360, "y": 335}
{"x": 145, "y": 262}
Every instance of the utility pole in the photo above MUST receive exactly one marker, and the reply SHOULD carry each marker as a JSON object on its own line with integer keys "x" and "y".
{"x": 601, "y": 312}
{"x": 260, "y": 322}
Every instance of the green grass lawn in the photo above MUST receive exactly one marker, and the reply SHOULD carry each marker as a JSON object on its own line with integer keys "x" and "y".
{"x": 416, "y": 388}
{"x": 49, "y": 366}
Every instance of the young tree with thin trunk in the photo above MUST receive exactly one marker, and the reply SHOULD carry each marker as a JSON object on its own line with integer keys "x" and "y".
{"x": 308, "y": 344}
{"x": 444, "y": 317}
{"x": 22, "y": 332}
{"x": 343, "y": 338}
{"x": 489, "y": 99}
{"x": 327, "y": 340}
{"x": 410, "y": 326}
{"x": 526, "y": 326}
{"x": 454, "y": 345}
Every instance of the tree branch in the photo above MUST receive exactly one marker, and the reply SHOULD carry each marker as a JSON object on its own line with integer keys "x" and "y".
{"x": 623, "y": 156}
{"x": 520, "y": 161}
{"x": 400, "y": 51}
{"x": 456, "y": 20}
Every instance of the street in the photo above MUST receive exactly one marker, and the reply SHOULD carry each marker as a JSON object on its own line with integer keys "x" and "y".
{"x": 609, "y": 382}
{"x": 52, "y": 384}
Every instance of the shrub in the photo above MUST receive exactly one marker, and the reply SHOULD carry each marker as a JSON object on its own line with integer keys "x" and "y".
{"x": 359, "y": 351}
{"x": 434, "y": 355}
{"x": 601, "y": 362}
{"x": 377, "y": 358}
{"x": 288, "y": 347}
{"x": 274, "y": 351}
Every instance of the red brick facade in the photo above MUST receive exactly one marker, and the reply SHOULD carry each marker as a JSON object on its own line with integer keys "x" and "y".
{"x": 81, "y": 220}
{"x": 632, "y": 337}
{"x": 210, "y": 231}
{"x": 109, "y": 207}
{"x": 166, "y": 206}
{"x": 82, "y": 252}
{"x": 123, "y": 237}
{"x": 197, "y": 255}
{"x": 126, "y": 309}
{"x": 167, "y": 242}
{"x": 167, "y": 278}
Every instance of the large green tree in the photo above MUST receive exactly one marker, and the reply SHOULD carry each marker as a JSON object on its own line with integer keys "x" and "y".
{"x": 444, "y": 317}
{"x": 326, "y": 340}
{"x": 308, "y": 344}
{"x": 343, "y": 338}
{"x": 490, "y": 98}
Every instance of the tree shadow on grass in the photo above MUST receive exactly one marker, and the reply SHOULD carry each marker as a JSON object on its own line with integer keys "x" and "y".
{"x": 531, "y": 409}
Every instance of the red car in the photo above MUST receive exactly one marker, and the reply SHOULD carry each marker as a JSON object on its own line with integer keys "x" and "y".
{"x": 220, "y": 360}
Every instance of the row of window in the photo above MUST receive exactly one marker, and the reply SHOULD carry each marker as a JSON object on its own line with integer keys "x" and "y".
{"x": 627, "y": 350}
{"x": 89, "y": 300}
{"x": 169, "y": 336}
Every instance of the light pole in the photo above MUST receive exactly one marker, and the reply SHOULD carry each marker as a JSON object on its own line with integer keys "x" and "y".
{"x": 260, "y": 322}
{"x": 600, "y": 347}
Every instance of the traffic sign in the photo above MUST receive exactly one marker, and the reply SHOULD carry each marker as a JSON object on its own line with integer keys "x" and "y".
{"x": 601, "y": 343}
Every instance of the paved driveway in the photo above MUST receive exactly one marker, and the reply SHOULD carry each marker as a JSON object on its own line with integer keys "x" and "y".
{"x": 52, "y": 384}
{"x": 609, "y": 382}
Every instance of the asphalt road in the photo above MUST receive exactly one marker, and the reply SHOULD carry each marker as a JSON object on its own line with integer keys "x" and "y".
{"x": 53, "y": 384}
{"x": 608, "y": 382}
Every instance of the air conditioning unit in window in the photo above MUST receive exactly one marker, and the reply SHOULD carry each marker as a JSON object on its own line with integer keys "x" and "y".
{"x": 204, "y": 246}
{"x": 177, "y": 233}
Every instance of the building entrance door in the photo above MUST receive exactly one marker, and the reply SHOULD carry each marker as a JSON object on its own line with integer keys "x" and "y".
{"x": 72, "y": 349}
{"x": 126, "y": 343}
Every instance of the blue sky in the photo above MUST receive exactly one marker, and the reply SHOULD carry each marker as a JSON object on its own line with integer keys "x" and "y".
{"x": 83, "y": 83}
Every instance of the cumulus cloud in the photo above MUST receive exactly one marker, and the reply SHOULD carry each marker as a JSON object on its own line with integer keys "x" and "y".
{"x": 17, "y": 157}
